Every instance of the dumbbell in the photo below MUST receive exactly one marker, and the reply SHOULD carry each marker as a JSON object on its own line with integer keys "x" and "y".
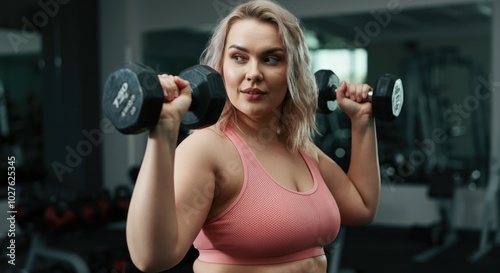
{"x": 92, "y": 209}
{"x": 387, "y": 97}
{"x": 133, "y": 97}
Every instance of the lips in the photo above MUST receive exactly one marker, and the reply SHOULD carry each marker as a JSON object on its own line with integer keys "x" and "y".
{"x": 253, "y": 91}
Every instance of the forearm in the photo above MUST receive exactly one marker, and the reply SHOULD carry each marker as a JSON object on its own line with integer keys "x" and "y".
{"x": 364, "y": 169}
{"x": 152, "y": 218}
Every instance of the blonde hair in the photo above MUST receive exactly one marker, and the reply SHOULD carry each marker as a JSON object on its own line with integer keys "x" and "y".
{"x": 297, "y": 117}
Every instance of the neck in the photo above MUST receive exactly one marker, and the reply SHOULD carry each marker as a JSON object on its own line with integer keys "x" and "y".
{"x": 267, "y": 128}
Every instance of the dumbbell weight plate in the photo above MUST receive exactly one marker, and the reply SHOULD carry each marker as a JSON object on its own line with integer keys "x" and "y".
{"x": 397, "y": 98}
{"x": 388, "y": 98}
{"x": 208, "y": 93}
{"x": 133, "y": 98}
{"x": 326, "y": 80}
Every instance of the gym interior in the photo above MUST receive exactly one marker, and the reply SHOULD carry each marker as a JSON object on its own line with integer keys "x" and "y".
{"x": 68, "y": 174}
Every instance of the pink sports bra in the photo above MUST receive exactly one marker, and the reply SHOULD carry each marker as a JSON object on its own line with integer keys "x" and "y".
{"x": 268, "y": 223}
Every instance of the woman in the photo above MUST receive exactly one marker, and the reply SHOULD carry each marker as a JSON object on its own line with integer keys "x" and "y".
{"x": 252, "y": 193}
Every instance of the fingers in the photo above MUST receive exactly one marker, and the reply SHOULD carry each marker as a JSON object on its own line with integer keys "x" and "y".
{"x": 352, "y": 98}
{"x": 181, "y": 83}
{"x": 172, "y": 86}
{"x": 357, "y": 91}
{"x": 342, "y": 87}
{"x": 170, "y": 89}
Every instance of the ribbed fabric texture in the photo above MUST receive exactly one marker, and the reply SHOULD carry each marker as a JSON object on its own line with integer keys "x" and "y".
{"x": 268, "y": 223}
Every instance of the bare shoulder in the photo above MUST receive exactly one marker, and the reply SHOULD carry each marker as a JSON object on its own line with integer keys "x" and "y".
{"x": 206, "y": 160}
{"x": 206, "y": 143}
{"x": 314, "y": 152}
{"x": 207, "y": 139}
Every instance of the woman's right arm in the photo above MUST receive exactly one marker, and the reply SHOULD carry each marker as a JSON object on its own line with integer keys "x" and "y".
{"x": 158, "y": 235}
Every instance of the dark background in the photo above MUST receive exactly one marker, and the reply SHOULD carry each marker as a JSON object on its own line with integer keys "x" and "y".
{"x": 74, "y": 173}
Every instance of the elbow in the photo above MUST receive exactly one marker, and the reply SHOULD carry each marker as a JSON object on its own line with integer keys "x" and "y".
{"x": 359, "y": 221}
{"x": 149, "y": 257}
{"x": 152, "y": 264}
{"x": 146, "y": 264}
{"x": 367, "y": 217}
{"x": 363, "y": 218}
{"x": 366, "y": 220}
{"x": 145, "y": 267}
{"x": 367, "y": 213}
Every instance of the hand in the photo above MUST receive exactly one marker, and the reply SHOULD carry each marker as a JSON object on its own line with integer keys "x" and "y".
{"x": 352, "y": 99}
{"x": 177, "y": 94}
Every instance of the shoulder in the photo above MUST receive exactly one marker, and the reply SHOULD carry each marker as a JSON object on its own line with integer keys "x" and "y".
{"x": 206, "y": 134}
{"x": 313, "y": 151}
{"x": 323, "y": 161}
{"x": 206, "y": 139}
{"x": 206, "y": 143}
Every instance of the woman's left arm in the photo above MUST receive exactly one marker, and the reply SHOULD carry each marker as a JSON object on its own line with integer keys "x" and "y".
{"x": 358, "y": 192}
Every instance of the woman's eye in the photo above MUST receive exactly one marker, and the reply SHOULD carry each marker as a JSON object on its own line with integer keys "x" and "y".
{"x": 271, "y": 60}
{"x": 237, "y": 58}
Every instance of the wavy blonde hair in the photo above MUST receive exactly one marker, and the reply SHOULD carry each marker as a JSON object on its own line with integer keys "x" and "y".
{"x": 297, "y": 117}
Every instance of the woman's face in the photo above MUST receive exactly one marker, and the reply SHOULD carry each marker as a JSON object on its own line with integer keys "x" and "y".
{"x": 255, "y": 68}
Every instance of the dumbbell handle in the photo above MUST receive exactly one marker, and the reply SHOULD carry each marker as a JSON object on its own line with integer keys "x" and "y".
{"x": 334, "y": 82}
{"x": 370, "y": 95}
{"x": 368, "y": 98}
{"x": 332, "y": 98}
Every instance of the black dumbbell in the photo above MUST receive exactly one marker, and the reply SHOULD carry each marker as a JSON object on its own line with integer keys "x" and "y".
{"x": 133, "y": 97}
{"x": 387, "y": 97}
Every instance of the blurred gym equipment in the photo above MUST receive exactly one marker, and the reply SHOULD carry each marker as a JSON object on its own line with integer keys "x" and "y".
{"x": 444, "y": 84}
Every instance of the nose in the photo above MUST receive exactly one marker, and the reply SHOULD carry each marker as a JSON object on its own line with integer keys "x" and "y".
{"x": 254, "y": 73}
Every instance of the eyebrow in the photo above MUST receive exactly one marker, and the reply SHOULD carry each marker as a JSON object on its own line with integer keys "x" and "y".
{"x": 267, "y": 51}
